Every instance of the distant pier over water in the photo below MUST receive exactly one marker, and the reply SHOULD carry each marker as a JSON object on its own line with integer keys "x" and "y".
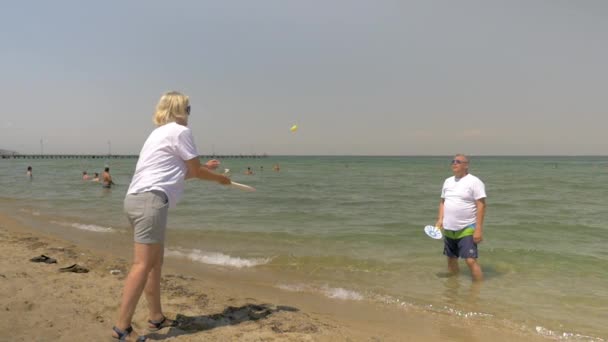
{"x": 115, "y": 156}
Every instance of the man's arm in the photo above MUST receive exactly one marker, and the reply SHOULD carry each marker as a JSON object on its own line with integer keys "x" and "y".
{"x": 439, "y": 222}
{"x": 481, "y": 212}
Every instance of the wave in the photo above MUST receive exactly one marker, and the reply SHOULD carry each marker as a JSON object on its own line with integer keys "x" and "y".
{"x": 341, "y": 293}
{"x": 566, "y": 335}
{"x": 89, "y": 227}
{"x": 330, "y": 292}
{"x": 214, "y": 258}
{"x": 31, "y": 212}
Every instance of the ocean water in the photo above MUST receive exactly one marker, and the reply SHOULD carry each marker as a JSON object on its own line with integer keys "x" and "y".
{"x": 352, "y": 228}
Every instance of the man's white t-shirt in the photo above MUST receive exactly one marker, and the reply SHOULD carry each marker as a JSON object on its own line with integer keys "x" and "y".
{"x": 161, "y": 165}
{"x": 459, "y": 209}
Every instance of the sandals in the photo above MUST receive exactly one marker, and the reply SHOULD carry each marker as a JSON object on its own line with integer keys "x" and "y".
{"x": 48, "y": 260}
{"x": 163, "y": 323}
{"x": 74, "y": 268}
{"x": 123, "y": 334}
{"x": 154, "y": 326}
{"x": 44, "y": 258}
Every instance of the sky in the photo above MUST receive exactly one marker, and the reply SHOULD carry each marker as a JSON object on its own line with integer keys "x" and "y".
{"x": 376, "y": 77}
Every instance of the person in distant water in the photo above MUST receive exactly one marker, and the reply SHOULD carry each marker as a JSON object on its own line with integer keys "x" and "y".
{"x": 461, "y": 213}
{"x": 95, "y": 177}
{"x": 248, "y": 171}
{"x": 85, "y": 175}
{"x": 276, "y": 167}
{"x": 29, "y": 172}
{"x": 106, "y": 181}
{"x": 168, "y": 157}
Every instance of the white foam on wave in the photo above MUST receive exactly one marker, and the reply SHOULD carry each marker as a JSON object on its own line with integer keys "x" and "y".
{"x": 392, "y": 301}
{"x": 565, "y": 335}
{"x": 341, "y": 293}
{"x": 214, "y": 258}
{"x": 32, "y": 212}
{"x": 88, "y": 227}
{"x": 459, "y": 313}
{"x": 294, "y": 287}
{"x": 331, "y": 292}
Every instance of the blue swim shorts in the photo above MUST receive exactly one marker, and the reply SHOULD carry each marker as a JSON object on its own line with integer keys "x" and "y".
{"x": 460, "y": 244}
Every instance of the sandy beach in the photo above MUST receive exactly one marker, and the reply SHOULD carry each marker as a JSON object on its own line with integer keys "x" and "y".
{"x": 39, "y": 303}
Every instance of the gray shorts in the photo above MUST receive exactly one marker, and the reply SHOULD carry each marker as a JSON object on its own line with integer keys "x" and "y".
{"x": 147, "y": 213}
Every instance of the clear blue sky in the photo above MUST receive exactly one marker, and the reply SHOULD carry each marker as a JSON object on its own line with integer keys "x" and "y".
{"x": 358, "y": 77}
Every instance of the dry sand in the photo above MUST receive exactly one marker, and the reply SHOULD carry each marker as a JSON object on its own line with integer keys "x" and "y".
{"x": 39, "y": 303}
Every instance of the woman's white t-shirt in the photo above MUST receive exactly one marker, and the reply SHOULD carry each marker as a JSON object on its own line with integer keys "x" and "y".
{"x": 161, "y": 165}
{"x": 459, "y": 208}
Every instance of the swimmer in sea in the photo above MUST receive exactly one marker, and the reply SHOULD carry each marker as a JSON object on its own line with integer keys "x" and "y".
{"x": 107, "y": 179}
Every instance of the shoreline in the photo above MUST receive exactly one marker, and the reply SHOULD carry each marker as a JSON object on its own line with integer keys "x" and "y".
{"x": 218, "y": 305}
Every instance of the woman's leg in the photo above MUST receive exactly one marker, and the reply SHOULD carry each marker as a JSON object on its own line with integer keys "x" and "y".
{"x": 152, "y": 289}
{"x": 144, "y": 258}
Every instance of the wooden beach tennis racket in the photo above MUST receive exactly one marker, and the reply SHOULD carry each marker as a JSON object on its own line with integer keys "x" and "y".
{"x": 242, "y": 187}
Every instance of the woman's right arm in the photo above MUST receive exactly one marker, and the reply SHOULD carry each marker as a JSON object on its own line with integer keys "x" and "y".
{"x": 197, "y": 170}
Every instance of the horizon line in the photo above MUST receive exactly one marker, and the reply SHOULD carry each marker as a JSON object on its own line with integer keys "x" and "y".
{"x": 12, "y": 153}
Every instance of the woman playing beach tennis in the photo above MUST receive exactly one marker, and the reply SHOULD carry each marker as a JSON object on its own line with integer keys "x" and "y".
{"x": 168, "y": 157}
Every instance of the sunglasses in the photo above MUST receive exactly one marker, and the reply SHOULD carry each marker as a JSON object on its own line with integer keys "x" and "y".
{"x": 188, "y": 109}
{"x": 456, "y": 161}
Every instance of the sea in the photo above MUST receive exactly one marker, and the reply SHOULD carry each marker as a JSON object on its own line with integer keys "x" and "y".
{"x": 351, "y": 228}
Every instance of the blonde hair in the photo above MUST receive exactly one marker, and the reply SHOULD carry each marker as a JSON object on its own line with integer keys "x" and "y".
{"x": 172, "y": 107}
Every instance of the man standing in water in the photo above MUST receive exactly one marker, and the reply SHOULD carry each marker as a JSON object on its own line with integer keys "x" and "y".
{"x": 461, "y": 213}
{"x": 106, "y": 179}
